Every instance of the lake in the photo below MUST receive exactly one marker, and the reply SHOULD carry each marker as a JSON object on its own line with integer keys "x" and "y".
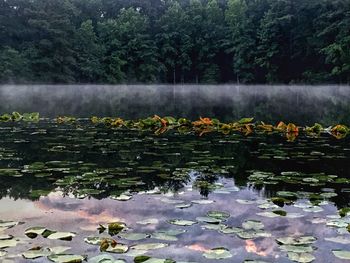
{"x": 78, "y": 190}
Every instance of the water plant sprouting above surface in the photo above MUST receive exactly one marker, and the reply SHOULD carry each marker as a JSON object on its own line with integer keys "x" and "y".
{"x": 160, "y": 125}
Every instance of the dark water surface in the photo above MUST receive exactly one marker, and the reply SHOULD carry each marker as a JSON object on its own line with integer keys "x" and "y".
{"x": 301, "y": 104}
{"x": 257, "y": 197}
{"x": 69, "y": 178}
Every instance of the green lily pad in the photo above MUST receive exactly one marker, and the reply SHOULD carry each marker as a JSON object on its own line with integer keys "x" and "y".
{"x": 119, "y": 248}
{"x": 340, "y": 239}
{"x": 342, "y": 254}
{"x": 252, "y": 224}
{"x": 180, "y": 222}
{"x": 115, "y": 228}
{"x": 301, "y": 257}
{"x": 164, "y": 236}
{"x": 217, "y": 253}
{"x": 66, "y": 258}
{"x": 68, "y": 236}
{"x": 218, "y": 215}
{"x": 36, "y": 253}
{"x": 150, "y": 221}
{"x": 33, "y": 232}
{"x": 149, "y": 246}
{"x": 134, "y": 236}
{"x": 304, "y": 240}
{"x": 5, "y": 237}
{"x": 202, "y": 202}
{"x": 209, "y": 220}
{"x": 8, "y": 243}
{"x": 8, "y": 224}
{"x": 183, "y": 206}
{"x": 105, "y": 258}
{"x": 297, "y": 248}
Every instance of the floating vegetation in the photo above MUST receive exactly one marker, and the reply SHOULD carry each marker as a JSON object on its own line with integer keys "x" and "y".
{"x": 202, "y": 126}
{"x": 143, "y": 190}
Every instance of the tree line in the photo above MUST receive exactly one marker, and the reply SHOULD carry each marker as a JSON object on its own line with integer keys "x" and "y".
{"x": 174, "y": 41}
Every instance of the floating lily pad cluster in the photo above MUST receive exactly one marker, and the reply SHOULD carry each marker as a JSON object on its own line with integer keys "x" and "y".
{"x": 206, "y": 125}
{"x": 299, "y": 249}
{"x": 16, "y": 117}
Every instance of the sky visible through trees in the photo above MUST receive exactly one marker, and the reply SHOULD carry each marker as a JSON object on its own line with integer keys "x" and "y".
{"x": 168, "y": 41}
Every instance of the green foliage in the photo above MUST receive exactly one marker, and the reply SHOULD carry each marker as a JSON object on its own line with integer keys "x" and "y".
{"x": 175, "y": 41}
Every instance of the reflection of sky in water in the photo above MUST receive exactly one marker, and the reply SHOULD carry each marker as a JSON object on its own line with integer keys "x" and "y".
{"x": 83, "y": 217}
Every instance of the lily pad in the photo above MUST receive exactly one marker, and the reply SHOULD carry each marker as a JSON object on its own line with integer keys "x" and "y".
{"x": 181, "y": 222}
{"x": 342, "y": 254}
{"x": 301, "y": 257}
{"x": 218, "y": 253}
{"x": 68, "y": 236}
{"x": 218, "y": 215}
{"x": 149, "y": 246}
{"x": 66, "y": 258}
{"x": 134, "y": 236}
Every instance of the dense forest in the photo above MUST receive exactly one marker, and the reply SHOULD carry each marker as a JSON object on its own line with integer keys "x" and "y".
{"x": 168, "y": 41}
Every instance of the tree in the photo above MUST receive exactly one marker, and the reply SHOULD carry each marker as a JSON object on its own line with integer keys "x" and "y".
{"x": 88, "y": 53}
{"x": 13, "y": 65}
{"x": 243, "y": 18}
{"x": 51, "y": 53}
{"x": 174, "y": 42}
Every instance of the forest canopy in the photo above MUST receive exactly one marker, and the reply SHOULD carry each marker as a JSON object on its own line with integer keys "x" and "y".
{"x": 168, "y": 41}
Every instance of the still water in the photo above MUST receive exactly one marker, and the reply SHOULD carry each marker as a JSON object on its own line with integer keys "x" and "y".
{"x": 181, "y": 197}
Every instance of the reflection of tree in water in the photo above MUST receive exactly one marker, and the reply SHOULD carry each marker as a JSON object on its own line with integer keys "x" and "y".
{"x": 167, "y": 162}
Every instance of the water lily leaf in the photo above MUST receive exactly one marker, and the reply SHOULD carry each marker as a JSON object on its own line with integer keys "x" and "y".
{"x": 337, "y": 223}
{"x": 342, "y": 254}
{"x": 304, "y": 240}
{"x": 342, "y": 212}
{"x": 231, "y": 230}
{"x": 33, "y": 232}
{"x": 208, "y": 220}
{"x": 5, "y": 237}
{"x": 301, "y": 257}
{"x": 183, "y": 206}
{"x": 340, "y": 239}
{"x": 252, "y": 234}
{"x": 115, "y": 228}
{"x": 202, "y": 202}
{"x": 36, "y": 253}
{"x": 122, "y": 197}
{"x": 105, "y": 258}
{"x": 147, "y": 259}
{"x": 218, "y": 215}
{"x": 245, "y": 120}
{"x": 68, "y": 236}
{"x": 8, "y": 224}
{"x": 8, "y": 243}
{"x": 118, "y": 248}
{"x": 252, "y": 224}
{"x": 58, "y": 249}
{"x": 150, "y": 221}
{"x": 149, "y": 246}
{"x": 180, "y": 222}
{"x": 297, "y": 248}
{"x": 2, "y": 253}
{"x": 66, "y": 258}
{"x": 164, "y": 236}
{"x": 134, "y": 236}
{"x": 218, "y": 253}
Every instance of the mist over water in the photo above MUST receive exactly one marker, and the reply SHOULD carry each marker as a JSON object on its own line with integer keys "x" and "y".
{"x": 299, "y": 104}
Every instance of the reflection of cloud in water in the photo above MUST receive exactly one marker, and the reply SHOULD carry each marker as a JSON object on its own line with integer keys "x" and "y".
{"x": 64, "y": 213}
